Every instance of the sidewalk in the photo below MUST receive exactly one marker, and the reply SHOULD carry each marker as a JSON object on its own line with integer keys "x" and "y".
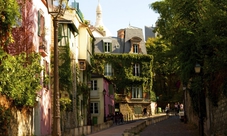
{"x": 118, "y": 130}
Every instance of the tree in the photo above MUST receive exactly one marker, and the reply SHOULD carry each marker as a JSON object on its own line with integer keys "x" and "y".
{"x": 195, "y": 30}
{"x": 166, "y": 82}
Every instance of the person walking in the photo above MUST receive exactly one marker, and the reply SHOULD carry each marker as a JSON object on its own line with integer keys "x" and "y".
{"x": 144, "y": 111}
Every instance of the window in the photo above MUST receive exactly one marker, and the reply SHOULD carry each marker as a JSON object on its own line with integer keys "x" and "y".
{"x": 45, "y": 75}
{"x": 107, "y": 47}
{"x": 94, "y": 107}
{"x": 41, "y": 24}
{"x": 136, "y": 92}
{"x": 108, "y": 70}
{"x": 135, "y": 48}
{"x": 94, "y": 85}
{"x": 136, "y": 70}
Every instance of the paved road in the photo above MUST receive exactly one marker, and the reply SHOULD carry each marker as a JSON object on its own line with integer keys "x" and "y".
{"x": 116, "y": 130}
{"x": 170, "y": 127}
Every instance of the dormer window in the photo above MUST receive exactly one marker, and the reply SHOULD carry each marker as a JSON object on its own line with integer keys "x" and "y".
{"x": 135, "y": 45}
{"x": 107, "y": 45}
{"x": 135, "y": 48}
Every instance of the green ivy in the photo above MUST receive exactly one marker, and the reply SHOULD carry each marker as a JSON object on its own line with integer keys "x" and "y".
{"x": 20, "y": 77}
{"x": 5, "y": 115}
{"x": 122, "y": 64}
{"x": 65, "y": 77}
{"x": 9, "y": 12}
{"x": 82, "y": 89}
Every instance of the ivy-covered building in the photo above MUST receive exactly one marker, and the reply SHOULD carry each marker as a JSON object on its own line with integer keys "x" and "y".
{"x": 124, "y": 61}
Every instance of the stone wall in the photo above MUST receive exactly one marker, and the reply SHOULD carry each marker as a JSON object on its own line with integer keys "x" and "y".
{"x": 218, "y": 118}
{"x": 215, "y": 122}
{"x": 20, "y": 123}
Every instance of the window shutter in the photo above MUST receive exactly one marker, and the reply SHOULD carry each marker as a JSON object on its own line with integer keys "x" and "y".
{"x": 59, "y": 32}
{"x": 39, "y": 24}
{"x": 103, "y": 46}
{"x": 110, "y": 89}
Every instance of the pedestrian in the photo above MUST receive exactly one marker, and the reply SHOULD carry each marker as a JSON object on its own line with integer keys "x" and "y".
{"x": 121, "y": 117}
{"x": 178, "y": 107}
{"x": 167, "y": 109}
{"x": 116, "y": 117}
{"x": 175, "y": 108}
{"x": 144, "y": 111}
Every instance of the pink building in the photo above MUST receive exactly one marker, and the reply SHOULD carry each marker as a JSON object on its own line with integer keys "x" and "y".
{"x": 102, "y": 99}
{"x": 33, "y": 34}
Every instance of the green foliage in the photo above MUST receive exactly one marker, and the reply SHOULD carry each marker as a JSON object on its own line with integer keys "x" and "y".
{"x": 165, "y": 69}
{"x": 82, "y": 89}
{"x": 196, "y": 32}
{"x": 65, "y": 72}
{"x": 65, "y": 104}
{"x": 122, "y": 64}
{"x": 9, "y": 13}
{"x": 20, "y": 77}
{"x": 65, "y": 77}
{"x": 5, "y": 115}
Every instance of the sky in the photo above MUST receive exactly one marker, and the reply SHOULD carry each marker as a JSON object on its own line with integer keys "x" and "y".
{"x": 119, "y": 14}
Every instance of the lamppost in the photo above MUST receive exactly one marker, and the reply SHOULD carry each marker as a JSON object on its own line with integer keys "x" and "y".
{"x": 157, "y": 103}
{"x": 200, "y": 99}
{"x": 185, "y": 98}
{"x": 56, "y": 8}
{"x": 104, "y": 96}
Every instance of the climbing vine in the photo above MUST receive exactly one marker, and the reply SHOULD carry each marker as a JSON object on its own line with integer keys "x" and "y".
{"x": 20, "y": 78}
{"x": 5, "y": 115}
{"x": 9, "y": 15}
{"x": 65, "y": 77}
{"x": 122, "y": 65}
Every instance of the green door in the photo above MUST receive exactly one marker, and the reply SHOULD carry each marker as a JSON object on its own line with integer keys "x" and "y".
{"x": 95, "y": 120}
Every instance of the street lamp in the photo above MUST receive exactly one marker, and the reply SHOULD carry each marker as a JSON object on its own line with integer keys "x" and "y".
{"x": 56, "y": 8}
{"x": 185, "y": 98}
{"x": 157, "y": 103}
{"x": 104, "y": 94}
{"x": 200, "y": 99}
{"x": 197, "y": 68}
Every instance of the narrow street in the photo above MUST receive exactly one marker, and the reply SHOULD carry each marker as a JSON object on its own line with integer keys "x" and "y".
{"x": 170, "y": 127}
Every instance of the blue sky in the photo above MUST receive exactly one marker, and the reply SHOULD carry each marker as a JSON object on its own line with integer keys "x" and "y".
{"x": 118, "y": 14}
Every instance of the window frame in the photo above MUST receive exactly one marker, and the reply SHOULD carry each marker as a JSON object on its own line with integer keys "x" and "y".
{"x": 108, "y": 71}
{"x": 136, "y": 48}
{"x": 107, "y": 47}
{"x": 136, "y": 69}
{"x": 94, "y": 107}
{"x": 137, "y": 92}
{"x": 94, "y": 85}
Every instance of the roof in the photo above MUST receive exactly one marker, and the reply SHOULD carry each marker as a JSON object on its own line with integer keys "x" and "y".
{"x": 122, "y": 45}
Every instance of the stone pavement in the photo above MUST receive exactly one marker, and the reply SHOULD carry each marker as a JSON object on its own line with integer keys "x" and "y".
{"x": 170, "y": 127}
{"x": 118, "y": 130}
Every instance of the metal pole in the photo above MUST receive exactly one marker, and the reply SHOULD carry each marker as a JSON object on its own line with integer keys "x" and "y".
{"x": 56, "y": 106}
